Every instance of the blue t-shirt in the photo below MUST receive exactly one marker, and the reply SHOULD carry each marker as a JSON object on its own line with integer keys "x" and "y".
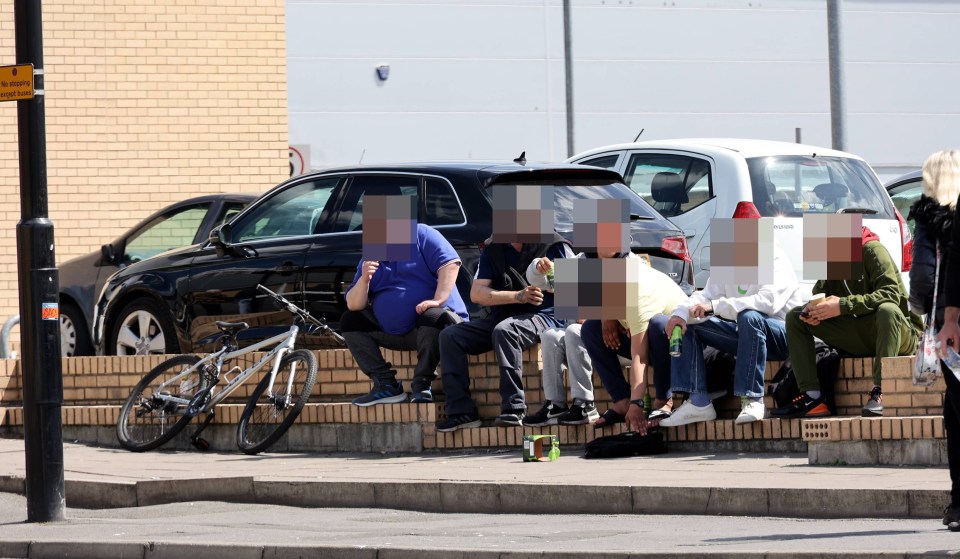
{"x": 512, "y": 259}
{"x": 398, "y": 287}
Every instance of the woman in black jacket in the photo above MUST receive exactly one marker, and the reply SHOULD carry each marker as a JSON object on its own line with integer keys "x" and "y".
{"x": 934, "y": 214}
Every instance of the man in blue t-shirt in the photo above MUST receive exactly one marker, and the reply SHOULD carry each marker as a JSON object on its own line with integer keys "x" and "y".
{"x": 403, "y": 305}
{"x": 519, "y": 315}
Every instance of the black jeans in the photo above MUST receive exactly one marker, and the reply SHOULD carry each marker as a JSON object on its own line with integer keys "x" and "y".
{"x": 365, "y": 337}
{"x": 508, "y": 338}
{"x": 951, "y": 422}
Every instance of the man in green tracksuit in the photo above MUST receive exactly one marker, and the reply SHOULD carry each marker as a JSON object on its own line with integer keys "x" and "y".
{"x": 866, "y": 317}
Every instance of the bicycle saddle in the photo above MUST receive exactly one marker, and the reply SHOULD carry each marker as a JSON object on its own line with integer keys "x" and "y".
{"x": 232, "y": 327}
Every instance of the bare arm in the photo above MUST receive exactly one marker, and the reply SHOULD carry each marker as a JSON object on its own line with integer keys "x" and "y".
{"x": 358, "y": 296}
{"x": 446, "y": 280}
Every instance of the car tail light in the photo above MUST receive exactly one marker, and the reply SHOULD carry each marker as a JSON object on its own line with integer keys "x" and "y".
{"x": 677, "y": 246}
{"x": 746, "y": 210}
{"x": 906, "y": 239}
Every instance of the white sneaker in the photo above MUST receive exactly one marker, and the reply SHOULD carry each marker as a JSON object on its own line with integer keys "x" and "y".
{"x": 689, "y": 413}
{"x": 751, "y": 410}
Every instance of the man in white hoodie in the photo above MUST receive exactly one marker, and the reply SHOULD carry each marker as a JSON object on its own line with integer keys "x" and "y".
{"x": 746, "y": 321}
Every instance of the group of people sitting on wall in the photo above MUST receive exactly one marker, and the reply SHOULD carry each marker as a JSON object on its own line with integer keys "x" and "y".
{"x": 414, "y": 305}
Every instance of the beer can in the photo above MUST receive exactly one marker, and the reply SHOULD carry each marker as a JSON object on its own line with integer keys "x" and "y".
{"x": 676, "y": 341}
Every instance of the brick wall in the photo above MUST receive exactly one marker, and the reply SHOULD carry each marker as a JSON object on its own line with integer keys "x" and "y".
{"x": 146, "y": 103}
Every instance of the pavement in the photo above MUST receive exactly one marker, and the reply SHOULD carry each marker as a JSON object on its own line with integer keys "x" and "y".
{"x": 483, "y": 504}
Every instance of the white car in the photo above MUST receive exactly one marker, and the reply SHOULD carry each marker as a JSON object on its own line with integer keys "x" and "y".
{"x": 691, "y": 181}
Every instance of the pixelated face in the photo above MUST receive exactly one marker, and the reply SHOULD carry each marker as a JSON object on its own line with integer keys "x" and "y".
{"x": 389, "y": 228}
{"x": 522, "y": 213}
{"x": 596, "y": 289}
{"x": 601, "y": 226}
{"x": 832, "y": 246}
{"x": 741, "y": 251}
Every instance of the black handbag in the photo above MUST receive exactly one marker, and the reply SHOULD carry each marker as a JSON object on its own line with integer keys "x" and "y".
{"x": 626, "y": 444}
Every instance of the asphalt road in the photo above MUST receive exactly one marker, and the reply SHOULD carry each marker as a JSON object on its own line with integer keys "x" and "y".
{"x": 344, "y": 532}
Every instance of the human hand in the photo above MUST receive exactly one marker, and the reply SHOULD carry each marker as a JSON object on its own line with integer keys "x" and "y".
{"x": 828, "y": 308}
{"x": 544, "y": 265}
{"x": 610, "y": 330}
{"x": 428, "y": 304}
{"x": 530, "y": 295}
{"x": 949, "y": 336}
{"x": 636, "y": 419}
{"x": 807, "y": 318}
{"x": 370, "y": 267}
{"x": 700, "y": 310}
{"x": 673, "y": 322}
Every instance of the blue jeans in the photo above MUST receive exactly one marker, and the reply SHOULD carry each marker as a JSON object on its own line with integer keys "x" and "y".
{"x": 606, "y": 361}
{"x": 753, "y": 339}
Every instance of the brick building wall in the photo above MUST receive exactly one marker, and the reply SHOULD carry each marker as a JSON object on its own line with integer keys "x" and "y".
{"x": 146, "y": 103}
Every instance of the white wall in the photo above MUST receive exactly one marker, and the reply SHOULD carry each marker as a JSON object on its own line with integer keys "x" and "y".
{"x": 483, "y": 79}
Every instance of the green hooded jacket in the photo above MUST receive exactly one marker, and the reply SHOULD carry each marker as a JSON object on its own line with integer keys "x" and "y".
{"x": 880, "y": 283}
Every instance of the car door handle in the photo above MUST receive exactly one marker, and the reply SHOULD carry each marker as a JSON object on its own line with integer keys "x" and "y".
{"x": 691, "y": 233}
{"x": 287, "y": 268}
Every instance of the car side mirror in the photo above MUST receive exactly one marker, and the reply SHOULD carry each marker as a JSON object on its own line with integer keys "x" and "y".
{"x": 108, "y": 254}
{"x": 218, "y": 238}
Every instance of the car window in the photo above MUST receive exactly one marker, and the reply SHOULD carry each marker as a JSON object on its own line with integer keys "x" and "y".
{"x": 672, "y": 184}
{"x": 292, "y": 212}
{"x": 794, "y": 185}
{"x": 164, "y": 233}
{"x": 350, "y": 216}
{"x": 441, "y": 204}
{"x": 905, "y": 195}
{"x": 229, "y": 211}
{"x": 604, "y": 161}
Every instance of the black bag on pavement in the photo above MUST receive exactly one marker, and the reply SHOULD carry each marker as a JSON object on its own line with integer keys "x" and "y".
{"x": 625, "y": 444}
{"x": 783, "y": 386}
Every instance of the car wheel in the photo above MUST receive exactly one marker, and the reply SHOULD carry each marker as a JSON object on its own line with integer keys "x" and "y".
{"x": 143, "y": 327}
{"x": 74, "y": 337}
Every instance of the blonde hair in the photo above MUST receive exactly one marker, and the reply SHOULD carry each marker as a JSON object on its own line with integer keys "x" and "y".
{"x": 941, "y": 177}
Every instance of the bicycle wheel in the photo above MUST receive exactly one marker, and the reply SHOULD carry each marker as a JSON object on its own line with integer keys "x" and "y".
{"x": 266, "y": 418}
{"x": 148, "y": 419}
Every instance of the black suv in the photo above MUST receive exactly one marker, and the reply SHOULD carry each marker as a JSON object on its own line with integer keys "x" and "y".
{"x": 303, "y": 239}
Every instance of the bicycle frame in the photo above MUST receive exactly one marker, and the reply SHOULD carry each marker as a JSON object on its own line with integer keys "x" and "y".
{"x": 285, "y": 345}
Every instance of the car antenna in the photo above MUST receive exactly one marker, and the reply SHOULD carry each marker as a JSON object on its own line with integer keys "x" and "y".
{"x": 362, "y": 153}
{"x": 522, "y": 159}
{"x": 640, "y": 134}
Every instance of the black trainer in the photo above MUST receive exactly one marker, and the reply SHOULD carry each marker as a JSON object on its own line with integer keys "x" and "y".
{"x": 803, "y": 406}
{"x": 512, "y": 418}
{"x": 462, "y": 421}
{"x": 547, "y": 415}
{"x": 874, "y": 406}
{"x": 582, "y": 413}
{"x": 382, "y": 394}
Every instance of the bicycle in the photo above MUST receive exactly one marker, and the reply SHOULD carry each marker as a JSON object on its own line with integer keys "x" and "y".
{"x": 168, "y": 397}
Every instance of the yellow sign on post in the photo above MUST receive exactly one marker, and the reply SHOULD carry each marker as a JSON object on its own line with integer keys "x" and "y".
{"x": 16, "y": 82}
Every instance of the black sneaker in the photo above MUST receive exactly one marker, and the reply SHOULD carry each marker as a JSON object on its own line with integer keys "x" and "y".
{"x": 547, "y": 415}
{"x": 582, "y": 413}
{"x": 384, "y": 394}
{"x": 513, "y": 418}
{"x": 874, "y": 406}
{"x": 462, "y": 421}
{"x": 803, "y": 406}
{"x": 951, "y": 514}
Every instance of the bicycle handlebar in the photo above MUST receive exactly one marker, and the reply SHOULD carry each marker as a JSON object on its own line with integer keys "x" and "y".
{"x": 304, "y": 315}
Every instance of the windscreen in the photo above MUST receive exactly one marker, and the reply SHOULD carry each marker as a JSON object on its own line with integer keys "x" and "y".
{"x": 790, "y": 186}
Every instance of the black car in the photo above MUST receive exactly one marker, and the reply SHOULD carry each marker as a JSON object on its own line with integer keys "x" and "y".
{"x": 303, "y": 239}
{"x": 81, "y": 279}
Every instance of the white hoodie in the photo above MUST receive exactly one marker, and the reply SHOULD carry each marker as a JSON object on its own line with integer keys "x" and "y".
{"x": 773, "y": 300}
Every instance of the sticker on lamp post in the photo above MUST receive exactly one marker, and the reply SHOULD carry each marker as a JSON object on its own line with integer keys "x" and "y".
{"x": 50, "y": 311}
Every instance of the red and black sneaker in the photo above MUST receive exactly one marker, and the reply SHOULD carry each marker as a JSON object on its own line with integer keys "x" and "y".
{"x": 803, "y": 406}
{"x": 874, "y": 405}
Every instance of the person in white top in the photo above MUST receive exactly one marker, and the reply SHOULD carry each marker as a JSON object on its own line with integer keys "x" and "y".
{"x": 746, "y": 321}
